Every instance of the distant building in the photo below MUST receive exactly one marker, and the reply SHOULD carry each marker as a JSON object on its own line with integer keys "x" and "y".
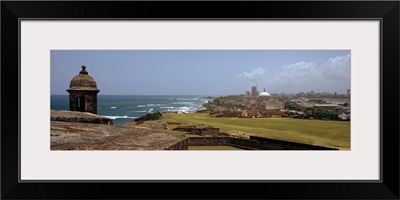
{"x": 247, "y": 93}
{"x": 271, "y": 105}
{"x": 264, "y": 95}
{"x": 83, "y": 92}
{"x": 348, "y": 92}
{"x": 306, "y": 104}
{"x": 254, "y": 91}
{"x": 344, "y": 116}
{"x": 267, "y": 102}
{"x": 334, "y": 108}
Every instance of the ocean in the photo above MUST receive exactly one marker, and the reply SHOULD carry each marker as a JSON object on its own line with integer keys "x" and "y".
{"x": 123, "y": 109}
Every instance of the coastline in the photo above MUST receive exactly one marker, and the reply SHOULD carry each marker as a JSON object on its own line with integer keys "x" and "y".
{"x": 125, "y": 108}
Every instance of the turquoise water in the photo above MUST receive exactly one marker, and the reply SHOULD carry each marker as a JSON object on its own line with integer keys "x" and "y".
{"x": 123, "y": 109}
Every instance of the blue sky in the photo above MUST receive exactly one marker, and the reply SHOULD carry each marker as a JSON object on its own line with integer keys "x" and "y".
{"x": 203, "y": 72}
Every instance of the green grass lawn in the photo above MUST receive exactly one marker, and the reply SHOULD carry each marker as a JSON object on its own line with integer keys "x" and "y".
{"x": 317, "y": 132}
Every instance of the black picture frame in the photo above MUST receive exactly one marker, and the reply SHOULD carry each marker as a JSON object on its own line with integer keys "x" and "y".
{"x": 386, "y": 11}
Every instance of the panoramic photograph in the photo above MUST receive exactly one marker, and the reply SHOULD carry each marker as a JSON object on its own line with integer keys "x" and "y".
{"x": 200, "y": 100}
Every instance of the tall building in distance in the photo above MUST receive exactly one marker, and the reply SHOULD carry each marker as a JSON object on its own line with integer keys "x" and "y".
{"x": 247, "y": 93}
{"x": 254, "y": 91}
{"x": 348, "y": 92}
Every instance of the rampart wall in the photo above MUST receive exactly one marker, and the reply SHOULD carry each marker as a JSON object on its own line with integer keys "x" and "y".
{"x": 254, "y": 143}
{"x": 181, "y": 145}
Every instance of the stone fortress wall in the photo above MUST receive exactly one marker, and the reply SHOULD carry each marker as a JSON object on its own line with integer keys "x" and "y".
{"x": 254, "y": 143}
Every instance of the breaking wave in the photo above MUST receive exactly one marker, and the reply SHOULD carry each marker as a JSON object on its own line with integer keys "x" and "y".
{"x": 123, "y": 117}
{"x": 150, "y": 105}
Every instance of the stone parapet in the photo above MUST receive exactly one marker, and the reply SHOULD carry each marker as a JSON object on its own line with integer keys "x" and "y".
{"x": 75, "y": 116}
{"x": 87, "y": 136}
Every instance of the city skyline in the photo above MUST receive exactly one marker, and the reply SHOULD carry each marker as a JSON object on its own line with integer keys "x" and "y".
{"x": 204, "y": 72}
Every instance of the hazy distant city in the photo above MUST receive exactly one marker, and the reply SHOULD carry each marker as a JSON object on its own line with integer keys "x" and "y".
{"x": 310, "y": 105}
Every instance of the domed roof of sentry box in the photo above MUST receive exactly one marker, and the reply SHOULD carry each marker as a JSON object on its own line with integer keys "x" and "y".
{"x": 83, "y": 81}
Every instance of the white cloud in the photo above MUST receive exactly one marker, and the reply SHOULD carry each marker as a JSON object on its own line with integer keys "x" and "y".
{"x": 257, "y": 75}
{"x": 330, "y": 76}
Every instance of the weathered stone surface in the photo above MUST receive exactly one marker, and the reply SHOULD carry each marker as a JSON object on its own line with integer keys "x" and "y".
{"x": 86, "y": 136}
{"x": 238, "y": 134}
{"x": 84, "y": 101}
{"x": 83, "y": 81}
{"x": 74, "y": 116}
{"x": 199, "y": 129}
{"x": 254, "y": 143}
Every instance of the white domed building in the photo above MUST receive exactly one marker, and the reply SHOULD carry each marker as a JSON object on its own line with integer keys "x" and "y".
{"x": 267, "y": 102}
{"x": 264, "y": 95}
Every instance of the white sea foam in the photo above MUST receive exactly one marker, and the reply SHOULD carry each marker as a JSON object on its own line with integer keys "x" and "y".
{"x": 150, "y": 105}
{"x": 184, "y": 102}
{"x": 115, "y": 117}
{"x": 167, "y": 107}
{"x": 113, "y": 107}
{"x": 187, "y": 99}
{"x": 137, "y": 111}
{"x": 183, "y": 109}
